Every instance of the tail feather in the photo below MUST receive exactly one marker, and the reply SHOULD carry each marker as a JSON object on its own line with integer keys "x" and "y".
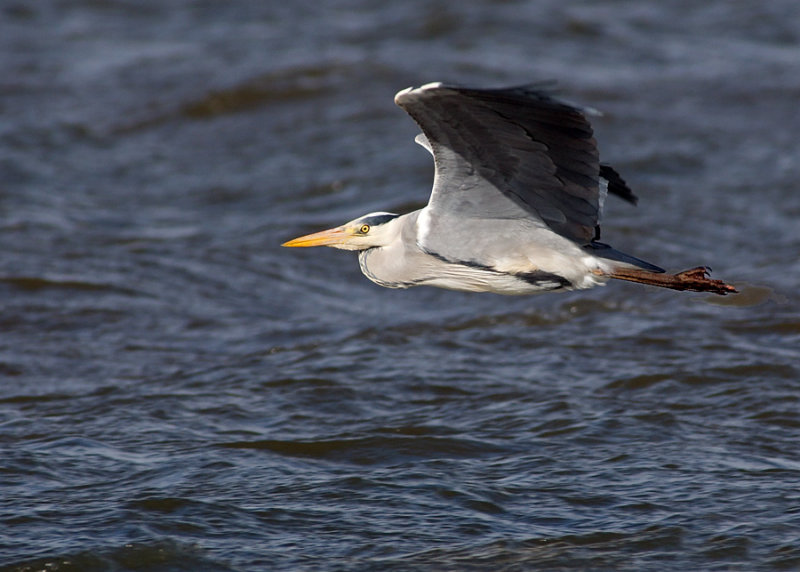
{"x": 602, "y": 250}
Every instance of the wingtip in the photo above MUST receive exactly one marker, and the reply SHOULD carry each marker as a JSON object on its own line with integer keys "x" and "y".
{"x": 399, "y": 96}
{"x": 431, "y": 85}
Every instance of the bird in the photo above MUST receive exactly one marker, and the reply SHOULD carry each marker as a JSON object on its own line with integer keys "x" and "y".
{"x": 515, "y": 207}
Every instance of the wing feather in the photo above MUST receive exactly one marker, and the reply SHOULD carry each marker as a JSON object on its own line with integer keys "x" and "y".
{"x": 509, "y": 153}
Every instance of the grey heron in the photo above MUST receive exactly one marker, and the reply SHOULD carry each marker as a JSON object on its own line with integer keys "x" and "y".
{"x": 517, "y": 196}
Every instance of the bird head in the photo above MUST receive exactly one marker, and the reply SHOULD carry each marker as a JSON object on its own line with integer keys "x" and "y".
{"x": 368, "y": 231}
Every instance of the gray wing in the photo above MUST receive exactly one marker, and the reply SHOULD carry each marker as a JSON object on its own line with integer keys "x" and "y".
{"x": 515, "y": 153}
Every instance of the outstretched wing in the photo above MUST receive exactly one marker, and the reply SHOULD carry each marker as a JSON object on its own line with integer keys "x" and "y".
{"x": 515, "y": 153}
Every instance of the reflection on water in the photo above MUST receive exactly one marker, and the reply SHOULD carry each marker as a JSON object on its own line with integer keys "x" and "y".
{"x": 179, "y": 392}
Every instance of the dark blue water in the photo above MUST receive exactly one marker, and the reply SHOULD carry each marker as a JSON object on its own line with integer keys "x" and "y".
{"x": 177, "y": 392}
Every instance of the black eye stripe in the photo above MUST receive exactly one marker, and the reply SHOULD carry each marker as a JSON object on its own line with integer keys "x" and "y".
{"x": 379, "y": 219}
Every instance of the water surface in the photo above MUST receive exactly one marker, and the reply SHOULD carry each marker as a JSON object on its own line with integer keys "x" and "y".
{"x": 177, "y": 392}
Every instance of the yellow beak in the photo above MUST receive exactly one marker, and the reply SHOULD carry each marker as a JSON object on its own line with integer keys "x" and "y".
{"x": 328, "y": 237}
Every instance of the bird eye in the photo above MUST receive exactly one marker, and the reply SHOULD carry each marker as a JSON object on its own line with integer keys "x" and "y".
{"x": 364, "y": 229}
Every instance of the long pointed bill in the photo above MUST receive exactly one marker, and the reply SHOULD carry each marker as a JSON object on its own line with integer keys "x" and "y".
{"x": 328, "y": 237}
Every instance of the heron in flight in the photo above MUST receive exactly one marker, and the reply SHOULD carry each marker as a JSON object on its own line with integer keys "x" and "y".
{"x": 515, "y": 206}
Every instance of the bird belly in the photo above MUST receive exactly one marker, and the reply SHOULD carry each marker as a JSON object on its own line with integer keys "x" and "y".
{"x": 496, "y": 283}
{"x": 506, "y": 275}
{"x": 467, "y": 278}
{"x": 575, "y": 269}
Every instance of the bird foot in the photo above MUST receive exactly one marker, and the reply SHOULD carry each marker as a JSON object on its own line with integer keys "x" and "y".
{"x": 698, "y": 280}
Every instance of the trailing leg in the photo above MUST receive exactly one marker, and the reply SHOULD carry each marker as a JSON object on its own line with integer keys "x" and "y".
{"x": 695, "y": 280}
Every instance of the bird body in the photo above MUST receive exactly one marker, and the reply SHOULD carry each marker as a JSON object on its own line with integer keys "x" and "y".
{"x": 515, "y": 206}
{"x": 538, "y": 261}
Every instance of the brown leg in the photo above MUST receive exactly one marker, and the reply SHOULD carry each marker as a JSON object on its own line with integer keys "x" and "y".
{"x": 695, "y": 279}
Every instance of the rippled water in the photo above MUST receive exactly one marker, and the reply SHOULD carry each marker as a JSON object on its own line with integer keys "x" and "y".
{"x": 180, "y": 393}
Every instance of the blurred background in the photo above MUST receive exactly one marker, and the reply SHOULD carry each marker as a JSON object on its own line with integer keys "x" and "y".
{"x": 177, "y": 392}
